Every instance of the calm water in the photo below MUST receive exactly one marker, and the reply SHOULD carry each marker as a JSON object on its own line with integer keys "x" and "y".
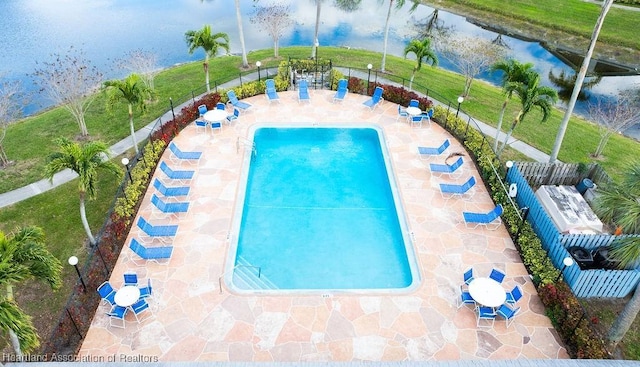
{"x": 32, "y": 30}
{"x": 319, "y": 211}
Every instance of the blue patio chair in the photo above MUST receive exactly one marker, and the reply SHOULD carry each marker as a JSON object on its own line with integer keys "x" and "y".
{"x": 270, "y": 90}
{"x": 451, "y": 190}
{"x": 162, "y": 232}
{"x": 376, "y": 98}
{"x": 497, "y": 275}
{"x": 341, "y": 91}
{"x": 141, "y": 308}
{"x": 216, "y": 126}
{"x": 178, "y": 156}
{"x": 402, "y": 113}
{"x": 490, "y": 220}
{"x": 202, "y": 109}
{"x": 487, "y": 314}
{"x": 116, "y": 314}
{"x": 177, "y": 175}
{"x": 235, "y": 102}
{"x": 145, "y": 292}
{"x": 158, "y": 254}
{"x": 413, "y": 103}
{"x": 426, "y": 116}
{"x": 429, "y": 152}
{"x": 416, "y": 120}
{"x": 170, "y": 191}
{"x": 201, "y": 124}
{"x": 450, "y": 169}
{"x": 221, "y": 106}
{"x": 465, "y": 298}
{"x": 468, "y": 276}
{"x": 235, "y": 116}
{"x": 107, "y": 293}
{"x": 515, "y": 294}
{"x": 130, "y": 279}
{"x": 169, "y": 208}
{"x": 303, "y": 91}
{"x": 507, "y": 313}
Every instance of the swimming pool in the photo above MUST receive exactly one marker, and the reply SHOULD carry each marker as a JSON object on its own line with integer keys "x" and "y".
{"x": 318, "y": 209}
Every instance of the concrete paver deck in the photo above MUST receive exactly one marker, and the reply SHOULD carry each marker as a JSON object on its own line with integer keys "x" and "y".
{"x": 193, "y": 321}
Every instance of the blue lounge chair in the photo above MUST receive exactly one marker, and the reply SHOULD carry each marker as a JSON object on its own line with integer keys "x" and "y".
{"x": 235, "y": 116}
{"x": 270, "y": 91}
{"x": 497, "y": 275}
{"x": 169, "y": 208}
{"x": 107, "y": 293}
{"x": 341, "y": 91}
{"x": 428, "y": 152}
{"x": 161, "y": 232}
{"x": 376, "y": 98}
{"x": 181, "y": 176}
{"x": 303, "y": 91}
{"x": 130, "y": 279}
{"x": 507, "y": 313}
{"x": 235, "y": 102}
{"x": 117, "y": 313}
{"x": 450, "y": 190}
{"x": 491, "y": 220}
{"x": 160, "y": 255}
{"x": 450, "y": 169}
{"x": 178, "y": 155}
{"x": 170, "y": 191}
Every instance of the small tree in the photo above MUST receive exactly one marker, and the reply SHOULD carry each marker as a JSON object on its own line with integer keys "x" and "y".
{"x": 70, "y": 81}
{"x": 471, "y": 56}
{"x": 275, "y": 19}
{"x": 423, "y": 51}
{"x": 613, "y": 116}
{"x": 143, "y": 63}
{"x": 10, "y": 110}
{"x": 210, "y": 43}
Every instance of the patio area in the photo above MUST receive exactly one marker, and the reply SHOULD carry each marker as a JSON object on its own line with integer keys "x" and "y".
{"x": 193, "y": 321}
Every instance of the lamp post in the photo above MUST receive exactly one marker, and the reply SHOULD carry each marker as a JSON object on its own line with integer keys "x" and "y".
{"x": 317, "y": 44}
{"x": 460, "y": 100}
{"x": 369, "y": 66}
{"x": 125, "y": 163}
{"x": 509, "y": 164}
{"x": 73, "y": 261}
{"x": 568, "y": 261}
{"x": 258, "y": 64}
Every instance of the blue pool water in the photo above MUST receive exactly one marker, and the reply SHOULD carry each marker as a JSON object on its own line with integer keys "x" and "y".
{"x": 320, "y": 212}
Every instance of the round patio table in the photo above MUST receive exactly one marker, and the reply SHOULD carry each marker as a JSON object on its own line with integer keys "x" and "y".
{"x": 215, "y": 115}
{"x": 487, "y": 292}
{"x": 127, "y": 296}
{"x": 414, "y": 111}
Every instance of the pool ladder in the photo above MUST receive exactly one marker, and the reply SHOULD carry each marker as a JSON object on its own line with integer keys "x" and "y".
{"x": 244, "y": 142}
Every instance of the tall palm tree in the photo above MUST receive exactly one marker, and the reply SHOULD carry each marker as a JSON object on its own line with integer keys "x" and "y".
{"x": 245, "y": 63}
{"x": 85, "y": 160}
{"x": 23, "y": 255}
{"x": 423, "y": 51}
{"x": 131, "y": 90}
{"x": 513, "y": 72}
{"x": 399, "y": 5}
{"x": 210, "y": 43}
{"x": 618, "y": 204}
{"x": 314, "y": 49}
{"x": 531, "y": 95}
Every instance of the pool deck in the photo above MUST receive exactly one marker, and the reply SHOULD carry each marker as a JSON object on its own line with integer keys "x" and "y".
{"x": 193, "y": 321}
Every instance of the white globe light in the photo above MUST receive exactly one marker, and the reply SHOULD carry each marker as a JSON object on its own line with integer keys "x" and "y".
{"x": 258, "y": 63}
{"x": 73, "y": 261}
{"x": 125, "y": 161}
{"x": 460, "y": 99}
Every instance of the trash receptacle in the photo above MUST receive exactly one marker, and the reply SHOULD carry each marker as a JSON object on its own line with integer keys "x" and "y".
{"x": 583, "y": 185}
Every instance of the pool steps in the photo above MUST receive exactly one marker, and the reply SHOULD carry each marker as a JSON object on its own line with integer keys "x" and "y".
{"x": 246, "y": 276}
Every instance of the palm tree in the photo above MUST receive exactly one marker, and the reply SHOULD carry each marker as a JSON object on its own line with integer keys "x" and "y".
{"x": 23, "y": 255}
{"x": 423, "y": 51}
{"x": 131, "y": 90}
{"x": 513, "y": 72}
{"x": 210, "y": 43}
{"x": 618, "y": 204}
{"x": 314, "y": 49}
{"x": 85, "y": 160}
{"x": 399, "y": 5}
{"x": 531, "y": 95}
{"x": 245, "y": 63}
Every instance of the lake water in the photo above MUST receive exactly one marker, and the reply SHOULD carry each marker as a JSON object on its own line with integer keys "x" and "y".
{"x": 106, "y": 30}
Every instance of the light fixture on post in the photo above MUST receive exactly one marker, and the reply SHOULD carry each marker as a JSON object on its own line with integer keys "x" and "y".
{"x": 258, "y": 64}
{"x": 125, "y": 163}
{"x": 567, "y": 261}
{"x": 369, "y": 66}
{"x": 460, "y": 100}
{"x": 509, "y": 164}
{"x": 73, "y": 261}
